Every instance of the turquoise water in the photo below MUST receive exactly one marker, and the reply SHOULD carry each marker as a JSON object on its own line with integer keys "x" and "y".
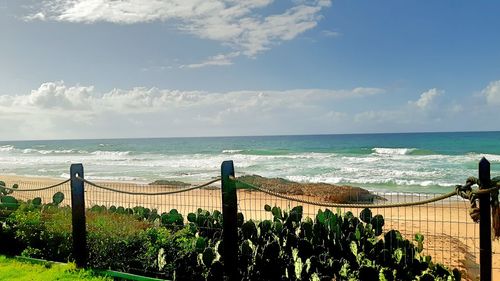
{"x": 430, "y": 162}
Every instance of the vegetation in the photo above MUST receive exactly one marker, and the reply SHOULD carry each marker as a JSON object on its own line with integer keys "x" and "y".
{"x": 332, "y": 246}
{"x": 11, "y": 269}
{"x": 168, "y": 245}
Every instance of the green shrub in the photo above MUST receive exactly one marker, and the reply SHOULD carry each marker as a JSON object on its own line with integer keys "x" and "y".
{"x": 332, "y": 247}
{"x": 287, "y": 247}
{"x": 41, "y": 233}
{"x": 116, "y": 241}
{"x": 165, "y": 247}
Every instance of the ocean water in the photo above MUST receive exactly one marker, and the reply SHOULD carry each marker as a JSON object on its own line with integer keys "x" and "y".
{"x": 414, "y": 162}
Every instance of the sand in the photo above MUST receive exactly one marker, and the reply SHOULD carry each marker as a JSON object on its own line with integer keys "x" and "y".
{"x": 450, "y": 235}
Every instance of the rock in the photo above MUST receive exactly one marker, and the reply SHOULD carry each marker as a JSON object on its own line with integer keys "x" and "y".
{"x": 169, "y": 182}
{"x": 324, "y": 192}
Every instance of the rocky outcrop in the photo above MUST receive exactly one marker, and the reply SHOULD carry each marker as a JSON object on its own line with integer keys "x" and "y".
{"x": 323, "y": 192}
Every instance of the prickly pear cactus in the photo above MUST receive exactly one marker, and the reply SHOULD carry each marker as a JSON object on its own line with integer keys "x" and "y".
{"x": 57, "y": 198}
{"x": 8, "y": 203}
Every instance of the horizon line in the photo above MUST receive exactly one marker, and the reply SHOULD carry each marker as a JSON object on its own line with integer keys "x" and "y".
{"x": 248, "y": 136}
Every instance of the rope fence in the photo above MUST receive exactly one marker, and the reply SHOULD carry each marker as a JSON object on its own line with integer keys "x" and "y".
{"x": 340, "y": 205}
{"x": 36, "y": 188}
{"x": 162, "y": 198}
{"x": 29, "y": 189}
{"x": 451, "y": 236}
{"x": 149, "y": 193}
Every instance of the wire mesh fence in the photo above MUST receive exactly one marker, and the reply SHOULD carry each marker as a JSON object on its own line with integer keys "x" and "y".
{"x": 156, "y": 204}
{"x": 451, "y": 237}
{"x": 160, "y": 198}
{"x": 24, "y": 189}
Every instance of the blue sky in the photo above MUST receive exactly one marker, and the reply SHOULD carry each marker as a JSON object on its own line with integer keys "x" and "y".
{"x": 104, "y": 69}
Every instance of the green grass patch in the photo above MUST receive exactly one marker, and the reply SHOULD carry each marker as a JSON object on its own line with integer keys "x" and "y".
{"x": 11, "y": 269}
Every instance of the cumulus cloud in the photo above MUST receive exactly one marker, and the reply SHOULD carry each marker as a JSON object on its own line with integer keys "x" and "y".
{"x": 430, "y": 112}
{"x": 58, "y": 95}
{"x": 57, "y": 110}
{"x": 82, "y": 111}
{"x": 427, "y": 99}
{"x": 492, "y": 93}
{"x": 237, "y": 24}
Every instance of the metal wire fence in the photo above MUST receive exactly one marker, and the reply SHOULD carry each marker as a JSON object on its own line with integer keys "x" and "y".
{"x": 25, "y": 189}
{"x": 162, "y": 198}
{"x": 451, "y": 237}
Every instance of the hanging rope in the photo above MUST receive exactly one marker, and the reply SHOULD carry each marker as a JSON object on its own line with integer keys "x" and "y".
{"x": 148, "y": 193}
{"x": 495, "y": 207}
{"x": 466, "y": 192}
{"x": 34, "y": 189}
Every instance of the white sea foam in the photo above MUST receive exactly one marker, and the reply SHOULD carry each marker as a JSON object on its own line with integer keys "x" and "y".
{"x": 364, "y": 181}
{"x": 393, "y": 151}
{"x": 391, "y": 169}
{"x": 316, "y": 179}
{"x": 113, "y": 178}
{"x": 65, "y": 151}
{"x": 110, "y": 153}
{"x": 47, "y": 152}
{"x": 6, "y": 148}
{"x": 489, "y": 157}
{"x": 232, "y": 151}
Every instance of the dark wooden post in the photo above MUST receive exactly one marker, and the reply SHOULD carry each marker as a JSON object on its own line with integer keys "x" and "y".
{"x": 229, "y": 222}
{"x": 484, "y": 222}
{"x": 78, "y": 216}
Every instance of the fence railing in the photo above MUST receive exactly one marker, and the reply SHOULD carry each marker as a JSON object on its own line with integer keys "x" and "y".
{"x": 452, "y": 238}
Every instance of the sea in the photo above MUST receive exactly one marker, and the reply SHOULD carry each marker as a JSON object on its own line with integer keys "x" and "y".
{"x": 403, "y": 162}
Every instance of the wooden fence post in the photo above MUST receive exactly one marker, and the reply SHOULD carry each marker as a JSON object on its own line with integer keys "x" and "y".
{"x": 229, "y": 222}
{"x": 485, "y": 222}
{"x": 78, "y": 216}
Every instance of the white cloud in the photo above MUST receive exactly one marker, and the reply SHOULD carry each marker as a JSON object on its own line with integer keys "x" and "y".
{"x": 36, "y": 16}
{"x": 217, "y": 60}
{"x": 492, "y": 93}
{"x": 331, "y": 33}
{"x": 382, "y": 117}
{"x": 57, "y": 110}
{"x": 427, "y": 99}
{"x": 58, "y": 95}
{"x": 428, "y": 109}
{"x": 234, "y": 23}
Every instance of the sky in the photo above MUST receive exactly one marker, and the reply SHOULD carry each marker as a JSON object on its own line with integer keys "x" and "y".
{"x": 173, "y": 68}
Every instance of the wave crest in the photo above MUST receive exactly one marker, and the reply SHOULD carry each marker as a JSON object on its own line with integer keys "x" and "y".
{"x": 6, "y": 148}
{"x": 393, "y": 151}
{"x": 232, "y": 151}
{"x": 110, "y": 153}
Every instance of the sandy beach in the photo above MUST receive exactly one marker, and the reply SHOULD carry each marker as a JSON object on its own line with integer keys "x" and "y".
{"x": 451, "y": 237}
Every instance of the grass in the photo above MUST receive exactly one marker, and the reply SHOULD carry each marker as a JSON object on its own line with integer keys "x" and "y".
{"x": 11, "y": 269}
